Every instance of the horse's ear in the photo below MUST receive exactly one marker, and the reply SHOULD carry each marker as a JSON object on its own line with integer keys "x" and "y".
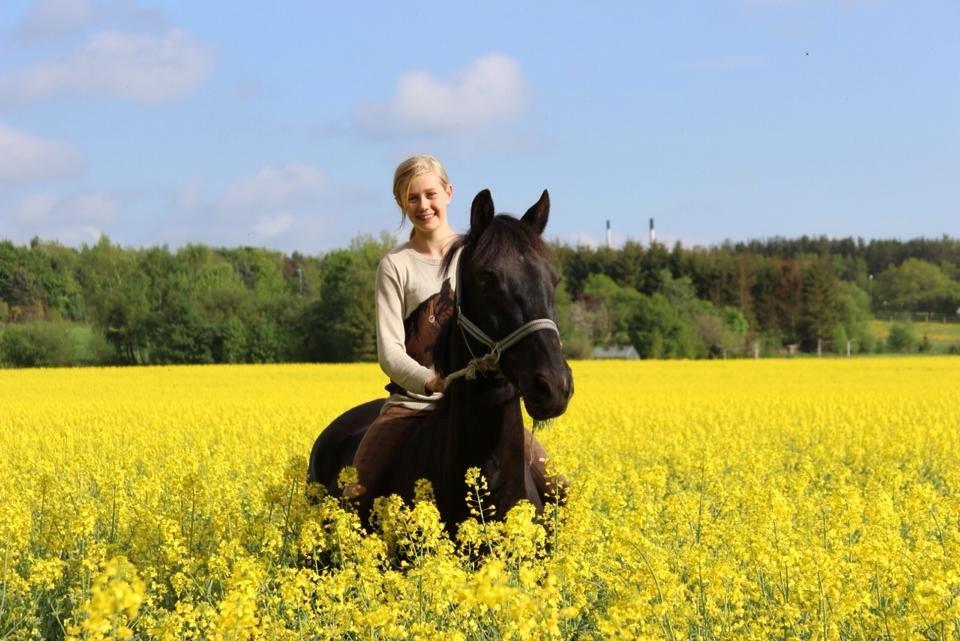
{"x": 481, "y": 211}
{"x": 537, "y": 215}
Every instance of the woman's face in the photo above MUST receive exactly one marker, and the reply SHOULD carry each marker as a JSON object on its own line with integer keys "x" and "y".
{"x": 427, "y": 201}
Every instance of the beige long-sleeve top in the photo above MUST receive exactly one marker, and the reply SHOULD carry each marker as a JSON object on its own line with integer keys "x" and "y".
{"x": 405, "y": 280}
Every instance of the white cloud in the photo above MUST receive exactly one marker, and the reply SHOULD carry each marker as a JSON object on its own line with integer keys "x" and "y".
{"x": 192, "y": 196}
{"x": 71, "y": 219}
{"x": 275, "y": 187}
{"x": 94, "y": 207}
{"x": 75, "y": 235}
{"x": 275, "y": 205}
{"x": 49, "y": 19}
{"x": 45, "y": 209}
{"x": 493, "y": 89}
{"x": 142, "y": 68}
{"x": 270, "y": 226}
{"x": 36, "y": 209}
{"x": 26, "y": 157}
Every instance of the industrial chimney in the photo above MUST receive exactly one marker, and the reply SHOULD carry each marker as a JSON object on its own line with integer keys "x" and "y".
{"x": 653, "y": 233}
{"x": 609, "y": 236}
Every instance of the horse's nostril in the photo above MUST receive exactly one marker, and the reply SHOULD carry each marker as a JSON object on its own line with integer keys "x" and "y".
{"x": 542, "y": 385}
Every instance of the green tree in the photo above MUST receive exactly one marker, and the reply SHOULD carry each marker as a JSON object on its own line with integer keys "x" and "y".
{"x": 575, "y": 329}
{"x": 658, "y": 330}
{"x": 821, "y": 295}
{"x": 341, "y": 326}
{"x": 903, "y": 337}
{"x": 52, "y": 267}
{"x": 612, "y": 308}
{"x": 21, "y": 289}
{"x": 36, "y": 344}
{"x": 916, "y": 285}
{"x": 789, "y": 301}
{"x": 180, "y": 333}
{"x": 853, "y": 316}
{"x": 721, "y": 331}
{"x": 117, "y": 293}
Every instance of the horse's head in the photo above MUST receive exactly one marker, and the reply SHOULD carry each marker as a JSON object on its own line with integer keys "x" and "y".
{"x": 506, "y": 283}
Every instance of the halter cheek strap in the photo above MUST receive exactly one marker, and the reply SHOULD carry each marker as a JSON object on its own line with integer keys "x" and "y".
{"x": 491, "y": 360}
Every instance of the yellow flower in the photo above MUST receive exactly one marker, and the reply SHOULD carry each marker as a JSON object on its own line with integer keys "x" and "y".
{"x": 115, "y": 598}
{"x": 748, "y": 500}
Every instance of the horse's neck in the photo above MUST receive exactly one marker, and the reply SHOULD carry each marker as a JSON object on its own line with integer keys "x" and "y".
{"x": 484, "y": 423}
{"x": 485, "y": 431}
{"x": 484, "y": 411}
{"x": 472, "y": 400}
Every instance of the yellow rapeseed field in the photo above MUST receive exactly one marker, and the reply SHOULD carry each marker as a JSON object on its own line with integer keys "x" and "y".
{"x": 800, "y": 499}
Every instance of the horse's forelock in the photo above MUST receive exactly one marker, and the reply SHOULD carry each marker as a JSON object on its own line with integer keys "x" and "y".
{"x": 505, "y": 235}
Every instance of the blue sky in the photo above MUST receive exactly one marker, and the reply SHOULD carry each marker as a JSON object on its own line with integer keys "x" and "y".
{"x": 241, "y": 124}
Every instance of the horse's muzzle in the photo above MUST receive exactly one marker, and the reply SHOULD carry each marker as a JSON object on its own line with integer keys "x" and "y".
{"x": 546, "y": 392}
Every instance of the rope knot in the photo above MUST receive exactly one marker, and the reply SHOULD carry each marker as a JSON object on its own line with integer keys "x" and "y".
{"x": 487, "y": 363}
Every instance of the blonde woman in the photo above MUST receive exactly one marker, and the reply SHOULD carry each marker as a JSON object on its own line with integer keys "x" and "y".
{"x": 406, "y": 278}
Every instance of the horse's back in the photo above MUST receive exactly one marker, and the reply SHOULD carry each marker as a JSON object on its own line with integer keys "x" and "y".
{"x": 334, "y": 448}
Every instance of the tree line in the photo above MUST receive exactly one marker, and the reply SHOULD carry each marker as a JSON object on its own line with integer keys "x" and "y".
{"x": 108, "y": 304}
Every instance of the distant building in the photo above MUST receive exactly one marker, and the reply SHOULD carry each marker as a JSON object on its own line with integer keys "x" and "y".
{"x": 616, "y": 351}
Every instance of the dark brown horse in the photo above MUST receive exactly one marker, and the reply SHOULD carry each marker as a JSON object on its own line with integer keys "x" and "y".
{"x": 506, "y": 283}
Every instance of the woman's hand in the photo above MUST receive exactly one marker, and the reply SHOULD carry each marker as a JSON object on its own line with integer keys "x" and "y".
{"x": 435, "y": 384}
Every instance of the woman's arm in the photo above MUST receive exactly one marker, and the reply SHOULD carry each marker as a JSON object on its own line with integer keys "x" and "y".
{"x": 391, "y": 347}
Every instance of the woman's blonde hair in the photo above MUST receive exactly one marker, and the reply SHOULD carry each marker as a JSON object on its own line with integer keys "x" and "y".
{"x": 411, "y": 168}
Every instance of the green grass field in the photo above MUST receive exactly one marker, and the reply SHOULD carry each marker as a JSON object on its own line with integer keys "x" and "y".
{"x": 941, "y": 335}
